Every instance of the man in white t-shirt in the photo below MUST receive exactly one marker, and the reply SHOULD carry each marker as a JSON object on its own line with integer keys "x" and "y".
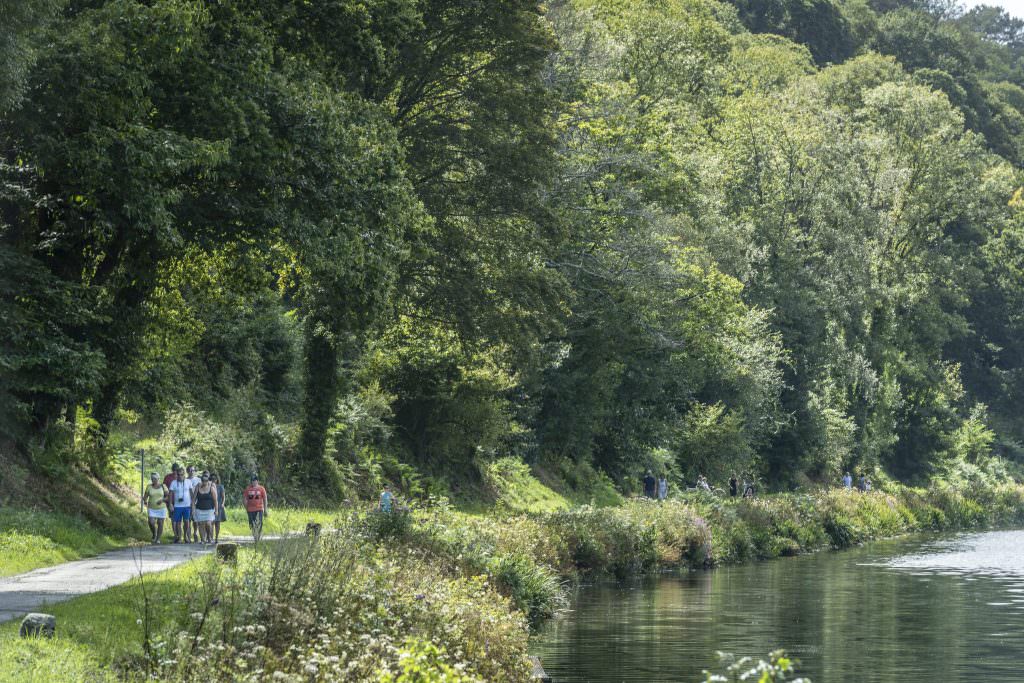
{"x": 181, "y": 498}
{"x": 194, "y": 481}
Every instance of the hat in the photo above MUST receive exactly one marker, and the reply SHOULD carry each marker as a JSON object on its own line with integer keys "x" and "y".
{"x": 154, "y": 475}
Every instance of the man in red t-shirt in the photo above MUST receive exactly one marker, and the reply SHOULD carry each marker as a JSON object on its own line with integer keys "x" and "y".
{"x": 255, "y": 498}
{"x": 167, "y": 483}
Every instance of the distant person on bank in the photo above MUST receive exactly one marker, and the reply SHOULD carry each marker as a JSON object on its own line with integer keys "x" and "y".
{"x": 155, "y": 499}
{"x": 650, "y": 485}
{"x": 662, "y": 487}
{"x": 256, "y": 506}
{"x": 181, "y": 497}
{"x": 204, "y": 507}
{"x": 847, "y": 481}
{"x": 387, "y": 500}
{"x": 734, "y": 486}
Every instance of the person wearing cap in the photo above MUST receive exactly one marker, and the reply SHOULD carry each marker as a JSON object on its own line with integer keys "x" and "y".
{"x": 181, "y": 496}
{"x": 255, "y": 498}
{"x": 155, "y": 500}
{"x": 193, "y": 481}
{"x": 167, "y": 483}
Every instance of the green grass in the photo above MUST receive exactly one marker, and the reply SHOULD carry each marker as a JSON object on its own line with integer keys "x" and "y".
{"x": 279, "y": 521}
{"x": 30, "y": 539}
{"x": 94, "y": 632}
{"x": 516, "y": 489}
{"x": 37, "y": 660}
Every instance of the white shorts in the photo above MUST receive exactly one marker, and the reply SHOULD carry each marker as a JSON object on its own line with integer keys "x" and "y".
{"x": 205, "y": 516}
{"x": 158, "y": 513}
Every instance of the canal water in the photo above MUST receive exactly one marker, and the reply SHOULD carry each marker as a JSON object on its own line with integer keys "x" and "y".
{"x": 911, "y": 611}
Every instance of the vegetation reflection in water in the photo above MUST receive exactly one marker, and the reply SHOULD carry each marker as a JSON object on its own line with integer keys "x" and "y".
{"x": 911, "y": 610}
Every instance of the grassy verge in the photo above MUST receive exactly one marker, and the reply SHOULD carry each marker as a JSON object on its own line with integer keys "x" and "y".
{"x": 279, "y": 521}
{"x": 96, "y": 632}
{"x": 30, "y": 539}
{"x": 335, "y": 609}
{"x": 441, "y": 595}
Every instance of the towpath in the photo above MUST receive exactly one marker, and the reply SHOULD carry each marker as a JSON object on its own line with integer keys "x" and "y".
{"x": 32, "y": 591}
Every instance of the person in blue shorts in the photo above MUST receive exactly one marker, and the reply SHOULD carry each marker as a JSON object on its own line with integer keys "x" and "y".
{"x": 181, "y": 499}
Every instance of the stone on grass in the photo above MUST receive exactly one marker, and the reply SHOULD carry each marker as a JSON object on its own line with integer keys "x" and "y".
{"x": 36, "y": 624}
{"x": 227, "y": 552}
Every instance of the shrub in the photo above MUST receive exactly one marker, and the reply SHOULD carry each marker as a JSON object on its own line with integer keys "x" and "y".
{"x": 341, "y": 609}
{"x": 776, "y": 668}
{"x": 535, "y": 589}
{"x": 382, "y": 526}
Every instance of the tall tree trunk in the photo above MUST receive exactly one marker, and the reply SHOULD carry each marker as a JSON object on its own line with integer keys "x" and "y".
{"x": 320, "y": 394}
{"x": 104, "y": 407}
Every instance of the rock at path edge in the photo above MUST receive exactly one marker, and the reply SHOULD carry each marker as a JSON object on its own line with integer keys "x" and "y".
{"x": 37, "y": 624}
{"x": 227, "y": 552}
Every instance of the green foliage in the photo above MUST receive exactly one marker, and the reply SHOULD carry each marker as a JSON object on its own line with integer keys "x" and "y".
{"x": 388, "y": 526}
{"x": 419, "y": 242}
{"x": 778, "y": 667}
{"x": 344, "y": 608}
{"x": 516, "y": 489}
{"x": 534, "y": 588}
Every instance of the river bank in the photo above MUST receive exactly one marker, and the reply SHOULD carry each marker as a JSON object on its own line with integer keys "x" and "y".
{"x": 437, "y": 594}
{"x": 919, "y": 608}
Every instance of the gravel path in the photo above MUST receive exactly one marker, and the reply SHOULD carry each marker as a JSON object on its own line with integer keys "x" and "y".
{"x": 31, "y": 591}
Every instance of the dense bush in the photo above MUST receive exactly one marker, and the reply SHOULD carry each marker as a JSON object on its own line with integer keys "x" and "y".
{"x": 340, "y": 608}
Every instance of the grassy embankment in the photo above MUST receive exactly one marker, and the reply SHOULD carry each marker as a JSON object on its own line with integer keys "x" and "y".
{"x": 30, "y": 539}
{"x": 46, "y": 520}
{"x": 404, "y": 598}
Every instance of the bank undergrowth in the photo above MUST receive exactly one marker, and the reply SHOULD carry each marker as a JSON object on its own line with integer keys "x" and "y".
{"x": 530, "y": 556}
{"x": 435, "y": 594}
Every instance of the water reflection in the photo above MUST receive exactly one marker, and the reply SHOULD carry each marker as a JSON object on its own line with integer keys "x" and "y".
{"x": 921, "y": 610}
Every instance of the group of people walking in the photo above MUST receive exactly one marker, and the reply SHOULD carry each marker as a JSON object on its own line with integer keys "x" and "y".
{"x": 657, "y": 488}
{"x": 195, "y": 505}
{"x": 863, "y": 484}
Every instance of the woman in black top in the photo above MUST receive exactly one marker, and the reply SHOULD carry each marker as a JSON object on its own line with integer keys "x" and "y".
{"x": 206, "y": 507}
